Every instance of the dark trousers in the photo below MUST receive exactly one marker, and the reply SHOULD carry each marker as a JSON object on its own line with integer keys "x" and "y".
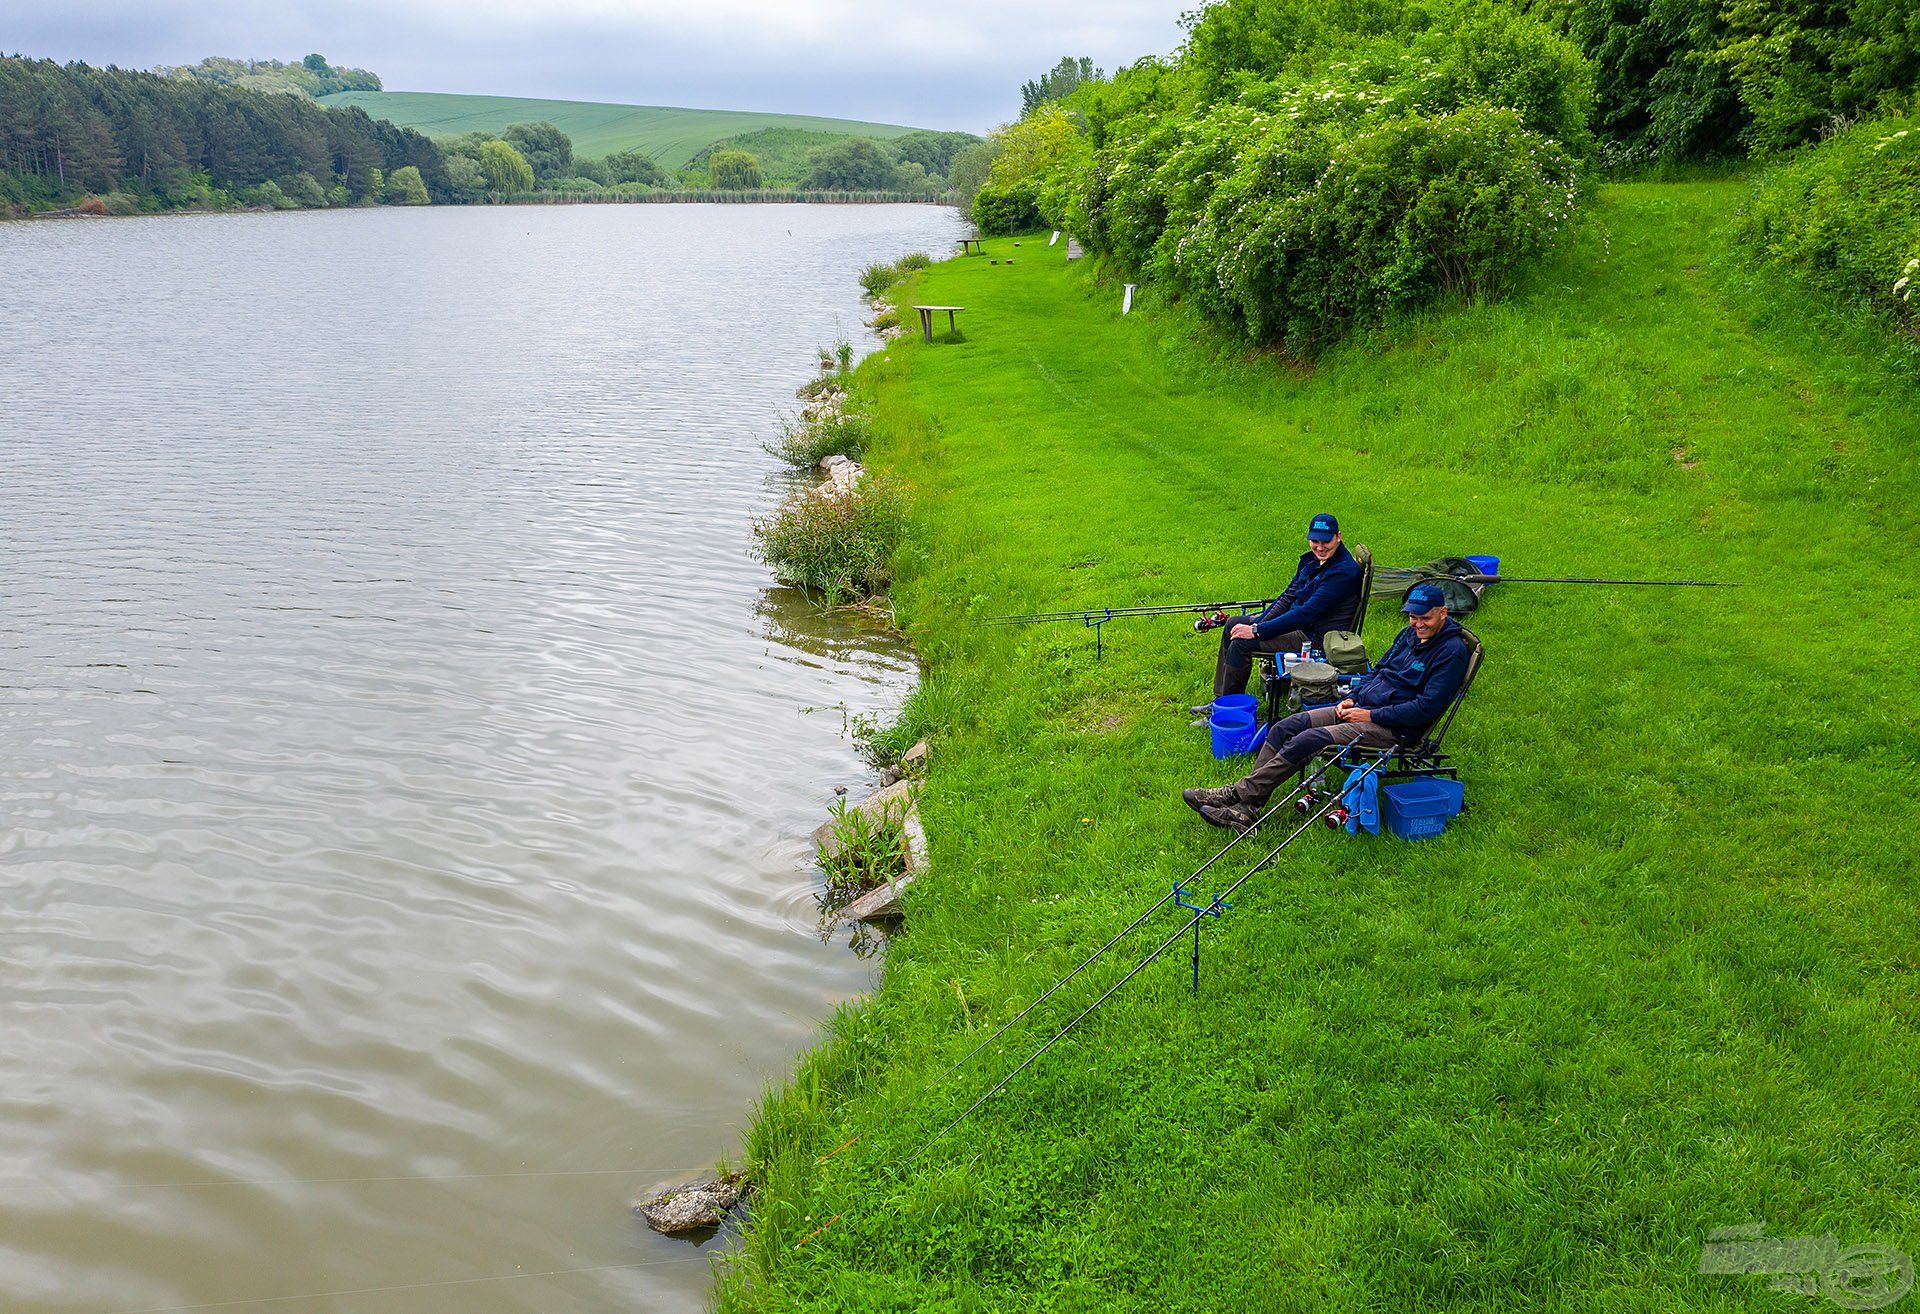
{"x": 1292, "y": 743}
{"x": 1230, "y": 672}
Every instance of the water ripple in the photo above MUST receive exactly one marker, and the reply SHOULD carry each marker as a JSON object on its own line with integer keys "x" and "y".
{"x": 404, "y": 767}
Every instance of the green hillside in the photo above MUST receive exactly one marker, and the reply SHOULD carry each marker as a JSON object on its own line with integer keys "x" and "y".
{"x": 671, "y": 136}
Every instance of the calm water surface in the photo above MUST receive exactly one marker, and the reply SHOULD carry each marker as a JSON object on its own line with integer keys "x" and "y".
{"x": 404, "y": 768}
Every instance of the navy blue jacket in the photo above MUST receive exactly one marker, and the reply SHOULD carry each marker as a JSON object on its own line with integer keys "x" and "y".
{"x": 1320, "y": 598}
{"x": 1413, "y": 683}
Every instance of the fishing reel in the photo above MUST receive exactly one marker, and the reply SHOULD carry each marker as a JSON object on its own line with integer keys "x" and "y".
{"x": 1212, "y": 622}
{"x": 1336, "y": 819}
{"x": 1307, "y": 802}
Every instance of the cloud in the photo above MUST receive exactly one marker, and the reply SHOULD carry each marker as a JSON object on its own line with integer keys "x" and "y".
{"x": 944, "y": 66}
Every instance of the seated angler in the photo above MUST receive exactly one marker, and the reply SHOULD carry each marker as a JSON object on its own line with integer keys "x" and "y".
{"x": 1324, "y": 595}
{"x": 1408, "y": 691}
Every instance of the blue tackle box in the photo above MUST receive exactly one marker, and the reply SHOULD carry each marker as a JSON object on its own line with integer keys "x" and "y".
{"x": 1420, "y": 809}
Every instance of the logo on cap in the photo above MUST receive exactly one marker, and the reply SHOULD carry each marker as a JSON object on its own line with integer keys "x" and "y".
{"x": 1323, "y": 529}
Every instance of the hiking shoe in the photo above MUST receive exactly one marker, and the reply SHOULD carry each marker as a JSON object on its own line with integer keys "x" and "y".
{"x": 1208, "y": 798}
{"x": 1231, "y": 816}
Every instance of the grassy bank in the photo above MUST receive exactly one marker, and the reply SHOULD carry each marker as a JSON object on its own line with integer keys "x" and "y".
{"x": 1659, "y": 980}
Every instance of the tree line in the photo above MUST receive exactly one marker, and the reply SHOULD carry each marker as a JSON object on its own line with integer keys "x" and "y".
{"x": 69, "y": 131}
{"x": 229, "y": 133}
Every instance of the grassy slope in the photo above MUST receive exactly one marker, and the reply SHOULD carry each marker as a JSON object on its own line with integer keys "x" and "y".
{"x": 671, "y": 136}
{"x": 1660, "y": 979}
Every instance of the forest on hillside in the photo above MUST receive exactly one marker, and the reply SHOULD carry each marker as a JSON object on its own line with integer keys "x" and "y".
{"x": 227, "y": 134}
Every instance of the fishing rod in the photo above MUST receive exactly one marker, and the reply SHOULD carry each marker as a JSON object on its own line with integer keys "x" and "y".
{"x": 1094, "y": 617}
{"x": 1219, "y": 902}
{"x": 1583, "y": 579}
{"x": 1105, "y": 614}
{"x": 1303, "y": 788}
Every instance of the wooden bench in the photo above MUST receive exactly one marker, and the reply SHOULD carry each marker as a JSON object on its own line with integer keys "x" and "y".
{"x": 972, "y": 246}
{"x": 926, "y": 319}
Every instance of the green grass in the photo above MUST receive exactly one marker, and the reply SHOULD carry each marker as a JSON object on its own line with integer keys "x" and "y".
{"x": 1661, "y": 978}
{"x": 671, "y": 136}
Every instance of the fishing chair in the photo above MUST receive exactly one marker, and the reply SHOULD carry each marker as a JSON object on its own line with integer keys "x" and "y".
{"x": 1272, "y": 682}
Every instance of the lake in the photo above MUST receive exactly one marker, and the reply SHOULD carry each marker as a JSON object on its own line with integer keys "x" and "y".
{"x": 405, "y": 768}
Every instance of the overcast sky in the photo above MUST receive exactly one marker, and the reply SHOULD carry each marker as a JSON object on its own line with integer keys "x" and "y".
{"x": 946, "y": 65}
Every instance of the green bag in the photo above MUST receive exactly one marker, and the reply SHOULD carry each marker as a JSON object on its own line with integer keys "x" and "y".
{"x": 1346, "y": 651}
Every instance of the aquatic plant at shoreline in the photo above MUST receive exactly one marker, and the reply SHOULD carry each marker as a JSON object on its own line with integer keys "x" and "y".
{"x": 836, "y": 546}
{"x": 866, "y": 849}
{"x": 807, "y": 439}
{"x": 877, "y": 278}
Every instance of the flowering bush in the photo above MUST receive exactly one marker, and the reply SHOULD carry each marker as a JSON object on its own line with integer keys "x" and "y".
{"x": 1309, "y": 234}
{"x": 1845, "y": 217}
{"x": 1293, "y": 177}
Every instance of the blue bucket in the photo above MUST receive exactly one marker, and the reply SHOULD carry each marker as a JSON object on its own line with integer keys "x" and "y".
{"x": 1237, "y": 703}
{"x": 1486, "y": 565}
{"x": 1231, "y": 732}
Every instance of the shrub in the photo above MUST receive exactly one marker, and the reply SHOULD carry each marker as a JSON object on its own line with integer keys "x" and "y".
{"x": 838, "y": 548}
{"x": 913, "y": 262}
{"x": 877, "y": 278}
{"x": 1844, "y": 217}
{"x": 806, "y": 441}
{"x": 1016, "y": 209}
{"x": 624, "y": 167}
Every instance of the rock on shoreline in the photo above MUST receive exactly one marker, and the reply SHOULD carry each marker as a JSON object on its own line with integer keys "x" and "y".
{"x": 695, "y": 1207}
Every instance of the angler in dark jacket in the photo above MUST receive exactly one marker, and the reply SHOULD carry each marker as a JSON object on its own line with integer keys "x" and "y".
{"x": 1323, "y": 595}
{"x": 1407, "y": 692}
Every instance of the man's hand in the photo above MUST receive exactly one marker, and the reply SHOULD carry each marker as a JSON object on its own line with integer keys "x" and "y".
{"x": 1346, "y": 711}
{"x": 1240, "y": 632}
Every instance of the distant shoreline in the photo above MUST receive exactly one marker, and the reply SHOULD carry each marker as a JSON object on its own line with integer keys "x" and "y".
{"x": 537, "y": 198}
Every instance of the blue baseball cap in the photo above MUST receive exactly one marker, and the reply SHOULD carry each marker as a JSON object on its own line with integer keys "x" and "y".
{"x": 1423, "y": 598}
{"x": 1323, "y": 529}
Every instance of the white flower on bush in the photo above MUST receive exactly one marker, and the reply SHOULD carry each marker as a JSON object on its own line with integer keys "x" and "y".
{"x": 1903, "y": 288}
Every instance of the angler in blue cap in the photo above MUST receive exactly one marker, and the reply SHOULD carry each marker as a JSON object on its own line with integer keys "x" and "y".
{"x": 1408, "y": 691}
{"x": 1324, "y": 595}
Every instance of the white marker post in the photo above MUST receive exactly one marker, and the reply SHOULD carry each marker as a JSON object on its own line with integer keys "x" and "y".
{"x": 1126, "y": 302}
{"x": 1054, "y": 238}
